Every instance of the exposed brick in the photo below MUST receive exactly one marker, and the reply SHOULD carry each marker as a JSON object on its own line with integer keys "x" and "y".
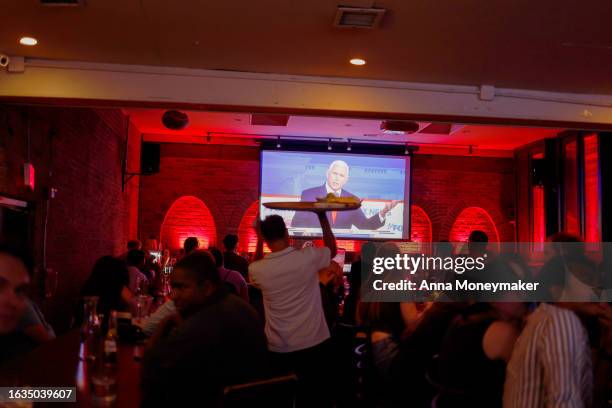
{"x": 226, "y": 179}
{"x": 79, "y": 152}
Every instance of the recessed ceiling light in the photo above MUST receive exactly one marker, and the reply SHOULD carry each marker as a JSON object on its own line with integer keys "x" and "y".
{"x": 358, "y": 61}
{"x": 28, "y": 41}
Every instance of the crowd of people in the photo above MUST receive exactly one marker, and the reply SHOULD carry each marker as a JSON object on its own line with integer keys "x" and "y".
{"x": 227, "y": 321}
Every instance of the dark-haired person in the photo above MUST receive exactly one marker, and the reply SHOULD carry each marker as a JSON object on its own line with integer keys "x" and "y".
{"x": 109, "y": 281}
{"x": 131, "y": 245}
{"x": 231, "y": 260}
{"x": 190, "y": 245}
{"x": 14, "y": 280}
{"x": 216, "y": 339}
{"x": 232, "y": 279}
{"x": 477, "y": 243}
{"x": 297, "y": 332}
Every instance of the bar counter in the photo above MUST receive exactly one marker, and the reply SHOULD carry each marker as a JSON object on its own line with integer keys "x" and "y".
{"x": 57, "y": 364}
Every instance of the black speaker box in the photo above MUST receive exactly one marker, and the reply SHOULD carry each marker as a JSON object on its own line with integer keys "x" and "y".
{"x": 149, "y": 158}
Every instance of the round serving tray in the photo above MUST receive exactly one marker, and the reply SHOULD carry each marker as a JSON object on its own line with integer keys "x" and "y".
{"x": 315, "y": 206}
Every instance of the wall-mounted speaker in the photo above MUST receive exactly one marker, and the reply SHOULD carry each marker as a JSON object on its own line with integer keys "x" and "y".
{"x": 149, "y": 158}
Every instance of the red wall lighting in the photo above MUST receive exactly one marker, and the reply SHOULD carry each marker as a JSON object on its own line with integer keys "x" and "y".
{"x": 470, "y": 219}
{"x": 188, "y": 217}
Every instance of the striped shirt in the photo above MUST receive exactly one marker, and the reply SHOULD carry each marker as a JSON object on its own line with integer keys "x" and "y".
{"x": 551, "y": 362}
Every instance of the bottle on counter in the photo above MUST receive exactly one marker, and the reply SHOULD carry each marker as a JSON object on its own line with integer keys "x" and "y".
{"x": 110, "y": 340}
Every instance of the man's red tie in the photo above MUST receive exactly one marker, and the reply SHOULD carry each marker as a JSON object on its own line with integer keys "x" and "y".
{"x": 334, "y": 213}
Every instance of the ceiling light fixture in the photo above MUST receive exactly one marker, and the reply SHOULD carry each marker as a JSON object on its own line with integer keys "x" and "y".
{"x": 278, "y": 144}
{"x": 28, "y": 41}
{"x": 329, "y": 144}
{"x": 348, "y": 146}
{"x": 357, "y": 61}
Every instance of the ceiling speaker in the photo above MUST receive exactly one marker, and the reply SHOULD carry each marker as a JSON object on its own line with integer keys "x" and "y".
{"x": 175, "y": 120}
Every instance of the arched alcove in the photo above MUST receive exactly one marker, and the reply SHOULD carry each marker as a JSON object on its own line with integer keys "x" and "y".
{"x": 247, "y": 238}
{"x": 470, "y": 219}
{"x": 187, "y": 217}
{"x": 420, "y": 225}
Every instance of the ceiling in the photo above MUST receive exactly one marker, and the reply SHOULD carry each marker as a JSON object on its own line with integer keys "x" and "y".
{"x": 555, "y": 45}
{"x": 236, "y": 128}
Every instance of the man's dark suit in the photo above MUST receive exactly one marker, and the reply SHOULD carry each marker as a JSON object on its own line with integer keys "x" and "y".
{"x": 344, "y": 219}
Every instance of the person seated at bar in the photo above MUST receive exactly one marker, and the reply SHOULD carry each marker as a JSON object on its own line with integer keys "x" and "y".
{"x": 472, "y": 360}
{"x": 149, "y": 326}
{"x": 407, "y": 371}
{"x": 109, "y": 281}
{"x": 297, "y": 333}
{"x": 138, "y": 280}
{"x": 387, "y": 322}
{"x": 551, "y": 362}
{"x": 190, "y": 245}
{"x": 232, "y": 279}
{"x": 216, "y": 339}
{"x": 231, "y": 260}
{"x": 14, "y": 280}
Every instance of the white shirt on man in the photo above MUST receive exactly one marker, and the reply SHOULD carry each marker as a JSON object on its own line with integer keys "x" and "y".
{"x": 289, "y": 282}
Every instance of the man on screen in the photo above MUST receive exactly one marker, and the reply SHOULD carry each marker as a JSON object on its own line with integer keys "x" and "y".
{"x": 337, "y": 176}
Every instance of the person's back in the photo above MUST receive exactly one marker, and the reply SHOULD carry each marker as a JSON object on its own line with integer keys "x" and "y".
{"x": 135, "y": 262}
{"x": 296, "y": 330}
{"x": 289, "y": 283}
{"x": 408, "y": 369}
{"x": 222, "y": 344}
{"x": 466, "y": 375}
{"x": 235, "y": 262}
{"x": 233, "y": 280}
{"x": 231, "y": 260}
{"x": 551, "y": 362}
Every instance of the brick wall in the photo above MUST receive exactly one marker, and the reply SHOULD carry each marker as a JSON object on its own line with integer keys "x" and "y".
{"x": 79, "y": 152}
{"x": 226, "y": 179}
{"x": 443, "y": 186}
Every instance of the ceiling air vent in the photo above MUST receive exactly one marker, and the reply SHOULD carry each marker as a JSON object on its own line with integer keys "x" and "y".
{"x": 399, "y": 127}
{"x": 358, "y": 17}
{"x": 72, "y": 3}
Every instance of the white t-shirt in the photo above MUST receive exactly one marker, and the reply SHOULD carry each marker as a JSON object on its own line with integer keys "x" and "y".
{"x": 289, "y": 282}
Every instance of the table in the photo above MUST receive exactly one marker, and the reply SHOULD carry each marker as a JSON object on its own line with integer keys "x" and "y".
{"x": 57, "y": 364}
